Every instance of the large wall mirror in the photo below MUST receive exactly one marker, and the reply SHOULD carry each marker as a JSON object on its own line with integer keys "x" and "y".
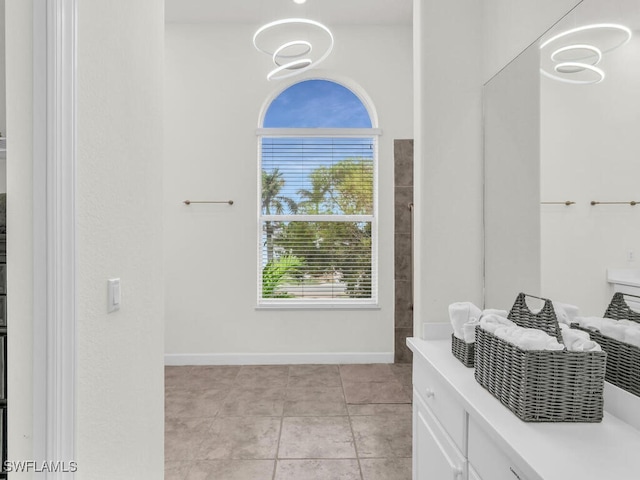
{"x": 562, "y": 162}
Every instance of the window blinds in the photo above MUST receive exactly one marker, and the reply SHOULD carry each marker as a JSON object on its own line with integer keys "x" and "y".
{"x": 317, "y": 219}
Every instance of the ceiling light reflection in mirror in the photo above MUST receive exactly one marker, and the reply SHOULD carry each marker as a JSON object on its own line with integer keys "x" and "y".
{"x": 571, "y": 56}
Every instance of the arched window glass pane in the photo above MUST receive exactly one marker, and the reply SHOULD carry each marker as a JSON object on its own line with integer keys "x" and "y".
{"x": 317, "y": 104}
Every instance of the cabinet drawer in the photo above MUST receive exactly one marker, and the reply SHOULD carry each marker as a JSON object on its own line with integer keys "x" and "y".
{"x": 442, "y": 401}
{"x": 435, "y": 456}
{"x": 487, "y": 460}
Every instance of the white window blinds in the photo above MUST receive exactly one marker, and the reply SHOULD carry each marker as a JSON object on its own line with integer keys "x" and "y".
{"x": 317, "y": 217}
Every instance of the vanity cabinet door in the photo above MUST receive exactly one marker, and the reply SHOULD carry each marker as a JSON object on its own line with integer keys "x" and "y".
{"x": 435, "y": 456}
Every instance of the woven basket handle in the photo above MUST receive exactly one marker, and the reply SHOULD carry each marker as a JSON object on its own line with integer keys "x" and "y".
{"x": 544, "y": 320}
{"x": 618, "y": 308}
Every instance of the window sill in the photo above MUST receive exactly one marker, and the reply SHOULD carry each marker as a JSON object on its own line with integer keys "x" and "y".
{"x": 318, "y": 306}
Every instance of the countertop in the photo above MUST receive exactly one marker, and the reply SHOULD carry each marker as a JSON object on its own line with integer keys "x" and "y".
{"x": 544, "y": 451}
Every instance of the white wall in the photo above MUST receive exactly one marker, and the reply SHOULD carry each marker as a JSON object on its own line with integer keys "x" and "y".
{"x": 20, "y": 234}
{"x": 590, "y": 151}
{"x": 512, "y": 181}
{"x": 120, "y": 419}
{"x": 510, "y": 26}
{"x": 448, "y": 157}
{"x": 3, "y": 91}
{"x": 215, "y": 89}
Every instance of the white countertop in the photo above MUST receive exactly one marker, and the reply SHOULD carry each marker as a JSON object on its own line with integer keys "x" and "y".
{"x": 624, "y": 276}
{"x": 546, "y": 451}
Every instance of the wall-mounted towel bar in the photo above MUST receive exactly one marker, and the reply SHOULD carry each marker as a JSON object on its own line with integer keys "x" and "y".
{"x": 633, "y": 203}
{"x": 567, "y": 203}
{"x": 189, "y": 202}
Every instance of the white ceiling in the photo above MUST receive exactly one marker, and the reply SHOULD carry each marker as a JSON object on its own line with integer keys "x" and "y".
{"x": 332, "y": 12}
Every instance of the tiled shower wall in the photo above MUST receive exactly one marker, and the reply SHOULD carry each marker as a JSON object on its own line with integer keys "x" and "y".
{"x": 403, "y": 167}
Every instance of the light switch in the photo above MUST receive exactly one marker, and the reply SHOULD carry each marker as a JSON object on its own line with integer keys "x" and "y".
{"x": 113, "y": 295}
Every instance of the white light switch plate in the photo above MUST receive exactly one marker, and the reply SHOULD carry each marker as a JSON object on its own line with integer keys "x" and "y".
{"x": 113, "y": 295}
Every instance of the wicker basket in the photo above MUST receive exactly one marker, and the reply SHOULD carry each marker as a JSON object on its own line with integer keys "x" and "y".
{"x": 462, "y": 351}
{"x": 540, "y": 386}
{"x": 623, "y": 359}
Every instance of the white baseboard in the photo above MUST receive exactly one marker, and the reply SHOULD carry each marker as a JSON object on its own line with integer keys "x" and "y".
{"x": 177, "y": 359}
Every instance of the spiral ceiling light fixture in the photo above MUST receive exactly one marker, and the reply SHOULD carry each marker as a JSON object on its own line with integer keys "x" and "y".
{"x": 290, "y": 43}
{"x": 576, "y": 53}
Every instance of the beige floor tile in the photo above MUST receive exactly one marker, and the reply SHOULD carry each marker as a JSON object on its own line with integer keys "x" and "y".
{"x": 386, "y": 468}
{"x": 314, "y": 376}
{"x": 241, "y": 438}
{"x": 382, "y": 435}
{"x": 402, "y": 372}
{"x": 316, "y": 437}
{"x": 314, "y": 401}
{"x": 232, "y": 470}
{"x": 194, "y": 403}
{"x": 175, "y": 470}
{"x": 380, "y": 409}
{"x": 375, "y": 392}
{"x": 183, "y": 436}
{"x": 256, "y": 401}
{"x": 317, "y": 470}
{"x": 263, "y": 375}
{"x": 375, "y": 372}
{"x": 212, "y": 376}
{"x": 176, "y": 377}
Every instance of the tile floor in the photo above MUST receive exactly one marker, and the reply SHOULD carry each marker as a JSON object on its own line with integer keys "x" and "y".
{"x": 298, "y": 422}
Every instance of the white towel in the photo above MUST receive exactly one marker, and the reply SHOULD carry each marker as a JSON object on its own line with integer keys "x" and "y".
{"x": 612, "y": 329}
{"x": 577, "y": 340}
{"x": 494, "y": 311}
{"x": 565, "y": 313}
{"x": 632, "y": 336}
{"x": 588, "y": 346}
{"x": 527, "y": 338}
{"x": 491, "y": 322}
{"x": 469, "y": 331}
{"x": 461, "y": 313}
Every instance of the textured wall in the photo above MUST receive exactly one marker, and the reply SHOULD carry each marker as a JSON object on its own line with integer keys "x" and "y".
{"x": 216, "y": 87}
{"x": 120, "y": 355}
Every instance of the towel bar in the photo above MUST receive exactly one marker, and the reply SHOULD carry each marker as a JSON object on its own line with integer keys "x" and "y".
{"x": 189, "y": 202}
{"x": 633, "y": 203}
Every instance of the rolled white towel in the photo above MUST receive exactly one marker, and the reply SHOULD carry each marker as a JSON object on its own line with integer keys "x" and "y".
{"x": 588, "y": 346}
{"x": 590, "y": 323}
{"x": 575, "y": 339}
{"x": 565, "y": 313}
{"x": 613, "y": 329}
{"x": 494, "y": 311}
{"x": 461, "y": 313}
{"x": 632, "y": 336}
{"x": 533, "y": 339}
{"x": 492, "y": 321}
{"x": 469, "y": 331}
{"x": 629, "y": 323}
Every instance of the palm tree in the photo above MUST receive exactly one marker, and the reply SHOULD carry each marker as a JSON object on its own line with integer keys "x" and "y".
{"x": 274, "y": 204}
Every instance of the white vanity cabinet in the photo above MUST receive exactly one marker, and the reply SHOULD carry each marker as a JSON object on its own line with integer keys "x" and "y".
{"x": 461, "y": 432}
{"x": 434, "y": 453}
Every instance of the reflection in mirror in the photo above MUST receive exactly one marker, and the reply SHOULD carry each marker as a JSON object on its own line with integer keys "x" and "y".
{"x": 590, "y": 152}
{"x": 562, "y": 125}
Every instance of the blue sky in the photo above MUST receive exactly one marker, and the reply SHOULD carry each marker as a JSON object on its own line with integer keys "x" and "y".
{"x": 317, "y": 104}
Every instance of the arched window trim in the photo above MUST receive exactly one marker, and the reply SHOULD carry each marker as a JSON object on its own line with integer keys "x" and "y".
{"x": 374, "y": 132}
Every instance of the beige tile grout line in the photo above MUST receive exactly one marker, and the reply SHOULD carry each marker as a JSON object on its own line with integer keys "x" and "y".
{"x": 346, "y": 405}
{"x": 275, "y": 462}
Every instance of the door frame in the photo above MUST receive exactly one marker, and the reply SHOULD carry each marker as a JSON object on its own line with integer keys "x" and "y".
{"x": 54, "y": 216}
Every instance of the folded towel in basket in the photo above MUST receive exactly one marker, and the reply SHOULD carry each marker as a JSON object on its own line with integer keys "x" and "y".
{"x": 565, "y": 313}
{"x": 578, "y": 341}
{"x": 461, "y": 313}
{"x": 492, "y": 321}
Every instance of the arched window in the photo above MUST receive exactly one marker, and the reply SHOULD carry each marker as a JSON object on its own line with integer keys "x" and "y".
{"x": 318, "y": 203}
